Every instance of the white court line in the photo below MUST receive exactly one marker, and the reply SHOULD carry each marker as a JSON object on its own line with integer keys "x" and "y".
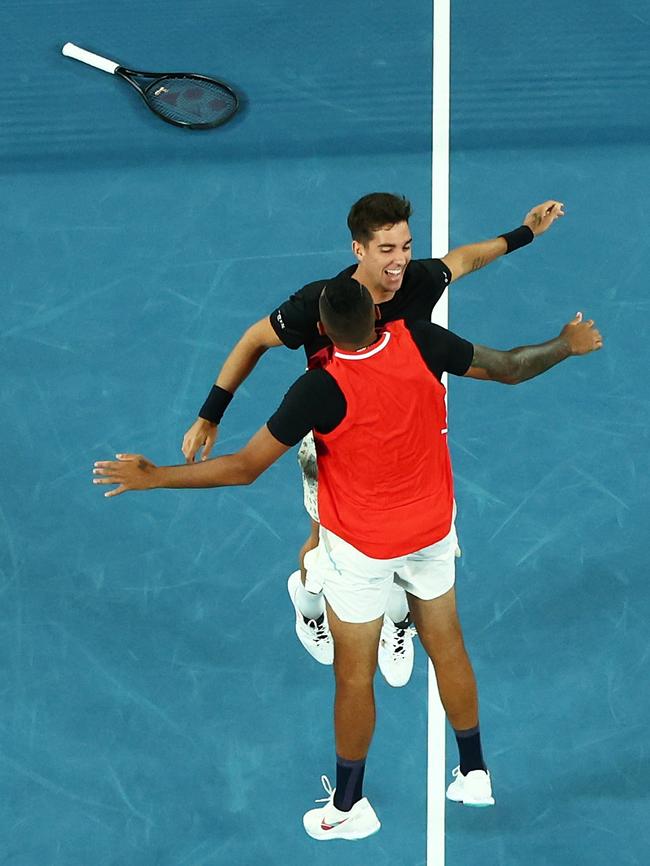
{"x": 439, "y": 246}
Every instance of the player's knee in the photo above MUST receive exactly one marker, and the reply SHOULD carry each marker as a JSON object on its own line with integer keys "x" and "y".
{"x": 356, "y": 675}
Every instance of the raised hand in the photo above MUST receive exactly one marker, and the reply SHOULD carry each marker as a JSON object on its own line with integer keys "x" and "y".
{"x": 542, "y": 217}
{"x": 202, "y": 434}
{"x": 582, "y": 337}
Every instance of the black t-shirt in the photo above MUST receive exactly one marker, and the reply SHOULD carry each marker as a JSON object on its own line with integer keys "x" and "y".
{"x": 316, "y": 402}
{"x": 425, "y": 280}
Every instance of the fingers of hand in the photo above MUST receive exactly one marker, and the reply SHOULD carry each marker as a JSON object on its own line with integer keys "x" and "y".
{"x": 589, "y": 328}
{"x": 590, "y": 337}
{"x": 109, "y": 469}
{"x": 112, "y": 474}
{"x": 116, "y": 492}
{"x": 210, "y": 439}
{"x": 192, "y": 442}
{"x": 104, "y": 467}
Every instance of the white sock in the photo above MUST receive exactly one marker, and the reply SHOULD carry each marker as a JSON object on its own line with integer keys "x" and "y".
{"x": 310, "y": 604}
{"x": 398, "y": 607}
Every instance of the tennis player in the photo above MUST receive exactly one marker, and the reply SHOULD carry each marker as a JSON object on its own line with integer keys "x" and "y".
{"x": 385, "y": 497}
{"x": 403, "y": 289}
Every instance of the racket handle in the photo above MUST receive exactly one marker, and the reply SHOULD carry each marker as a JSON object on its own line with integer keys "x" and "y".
{"x": 103, "y": 63}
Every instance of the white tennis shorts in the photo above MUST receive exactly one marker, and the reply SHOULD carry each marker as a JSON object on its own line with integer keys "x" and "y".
{"x": 357, "y": 586}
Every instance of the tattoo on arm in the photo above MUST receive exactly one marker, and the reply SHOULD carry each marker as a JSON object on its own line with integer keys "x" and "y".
{"x": 479, "y": 262}
{"x": 522, "y": 363}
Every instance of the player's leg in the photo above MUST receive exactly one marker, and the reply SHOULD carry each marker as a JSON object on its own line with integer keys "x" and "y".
{"x": 429, "y": 578}
{"x": 355, "y": 663}
{"x": 441, "y": 636}
{"x": 311, "y": 543}
{"x": 347, "y": 814}
{"x": 357, "y": 590}
{"x": 312, "y": 628}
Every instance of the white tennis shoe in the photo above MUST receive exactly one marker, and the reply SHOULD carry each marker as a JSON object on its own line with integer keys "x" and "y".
{"x": 395, "y": 654}
{"x": 328, "y": 822}
{"x": 474, "y": 789}
{"x": 313, "y": 634}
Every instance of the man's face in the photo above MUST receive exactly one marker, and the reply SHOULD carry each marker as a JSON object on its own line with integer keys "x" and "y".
{"x": 383, "y": 260}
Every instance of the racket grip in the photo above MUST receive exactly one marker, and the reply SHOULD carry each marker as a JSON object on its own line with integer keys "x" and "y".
{"x": 103, "y": 63}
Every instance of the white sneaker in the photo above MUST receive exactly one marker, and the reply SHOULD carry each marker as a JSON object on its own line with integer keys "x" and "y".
{"x": 313, "y": 634}
{"x": 328, "y": 822}
{"x": 395, "y": 653}
{"x": 474, "y": 789}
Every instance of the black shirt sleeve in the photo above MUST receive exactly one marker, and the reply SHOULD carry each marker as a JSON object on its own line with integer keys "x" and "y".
{"x": 294, "y": 321}
{"x": 314, "y": 402}
{"x": 438, "y": 271}
{"x": 434, "y": 277}
{"x": 442, "y": 350}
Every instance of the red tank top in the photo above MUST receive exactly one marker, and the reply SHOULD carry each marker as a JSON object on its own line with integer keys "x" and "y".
{"x": 384, "y": 474}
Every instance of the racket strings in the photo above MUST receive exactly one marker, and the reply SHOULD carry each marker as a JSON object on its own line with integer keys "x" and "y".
{"x": 191, "y": 100}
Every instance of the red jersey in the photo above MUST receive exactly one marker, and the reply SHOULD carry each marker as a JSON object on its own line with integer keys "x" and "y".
{"x": 384, "y": 473}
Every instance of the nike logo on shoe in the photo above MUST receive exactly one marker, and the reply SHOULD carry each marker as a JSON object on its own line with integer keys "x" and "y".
{"x": 325, "y": 826}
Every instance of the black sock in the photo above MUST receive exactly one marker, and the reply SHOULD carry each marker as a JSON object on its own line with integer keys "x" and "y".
{"x": 349, "y": 783}
{"x": 469, "y": 750}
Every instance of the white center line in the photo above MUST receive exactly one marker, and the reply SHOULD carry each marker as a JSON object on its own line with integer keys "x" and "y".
{"x": 439, "y": 247}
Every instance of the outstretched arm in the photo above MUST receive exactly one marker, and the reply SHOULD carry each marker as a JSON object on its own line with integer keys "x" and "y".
{"x": 472, "y": 257}
{"x": 237, "y": 366}
{"x": 526, "y": 362}
{"x": 135, "y": 472}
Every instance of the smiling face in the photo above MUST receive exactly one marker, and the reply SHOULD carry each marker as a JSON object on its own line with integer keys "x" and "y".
{"x": 383, "y": 260}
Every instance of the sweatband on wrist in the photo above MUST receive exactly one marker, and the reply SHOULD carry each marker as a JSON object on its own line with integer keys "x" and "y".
{"x": 518, "y": 238}
{"x": 216, "y": 404}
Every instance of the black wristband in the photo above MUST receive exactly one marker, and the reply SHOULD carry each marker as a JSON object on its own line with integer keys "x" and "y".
{"x": 518, "y": 238}
{"x": 216, "y": 404}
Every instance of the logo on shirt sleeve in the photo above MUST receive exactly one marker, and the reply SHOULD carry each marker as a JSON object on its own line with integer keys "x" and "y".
{"x": 280, "y": 320}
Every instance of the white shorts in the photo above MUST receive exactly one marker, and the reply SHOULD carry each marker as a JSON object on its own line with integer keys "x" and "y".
{"x": 357, "y": 586}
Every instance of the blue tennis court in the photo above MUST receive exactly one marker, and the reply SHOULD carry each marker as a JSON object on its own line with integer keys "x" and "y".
{"x": 158, "y": 710}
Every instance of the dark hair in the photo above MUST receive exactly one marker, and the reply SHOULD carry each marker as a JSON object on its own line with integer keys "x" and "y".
{"x": 346, "y": 310}
{"x": 374, "y": 211}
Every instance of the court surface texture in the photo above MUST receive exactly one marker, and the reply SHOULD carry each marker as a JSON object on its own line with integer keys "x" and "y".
{"x": 156, "y": 708}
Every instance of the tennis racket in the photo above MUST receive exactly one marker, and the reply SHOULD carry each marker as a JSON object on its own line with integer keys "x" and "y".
{"x": 182, "y": 98}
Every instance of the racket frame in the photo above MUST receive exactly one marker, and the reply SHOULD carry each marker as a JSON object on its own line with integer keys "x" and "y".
{"x": 114, "y": 68}
{"x": 159, "y": 77}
